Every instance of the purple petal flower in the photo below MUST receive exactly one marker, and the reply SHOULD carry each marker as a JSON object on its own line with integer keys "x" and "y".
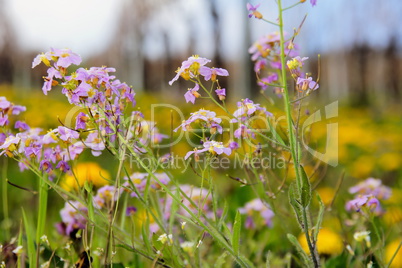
{"x": 73, "y": 216}
{"x": 46, "y": 166}
{"x": 221, "y": 93}
{"x": 3, "y": 120}
{"x": 2, "y": 138}
{"x": 95, "y": 143}
{"x": 233, "y": 145}
{"x": 211, "y": 73}
{"x": 130, "y": 210}
{"x": 313, "y": 2}
{"x": 257, "y": 206}
{"x": 21, "y": 126}
{"x": 189, "y": 68}
{"x": 192, "y": 94}
{"x": 4, "y": 103}
{"x": 67, "y": 134}
{"x": 17, "y": 109}
{"x": 253, "y": 11}
{"x": 105, "y": 195}
{"x": 81, "y": 121}
{"x": 63, "y": 166}
{"x": 363, "y": 201}
{"x": 372, "y": 186}
{"x": 49, "y": 82}
{"x": 66, "y": 57}
{"x": 307, "y": 83}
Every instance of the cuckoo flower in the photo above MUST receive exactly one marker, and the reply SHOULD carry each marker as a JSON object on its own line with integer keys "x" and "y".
{"x": 372, "y": 186}
{"x": 253, "y": 11}
{"x": 211, "y": 73}
{"x": 214, "y": 147}
{"x": 65, "y": 57}
{"x": 257, "y": 206}
{"x": 221, "y": 93}
{"x": 190, "y": 68}
{"x": 247, "y": 108}
{"x": 361, "y": 201}
{"x": 73, "y": 216}
{"x": 306, "y": 84}
{"x": 207, "y": 116}
{"x": 67, "y": 134}
{"x": 192, "y": 94}
{"x": 95, "y": 142}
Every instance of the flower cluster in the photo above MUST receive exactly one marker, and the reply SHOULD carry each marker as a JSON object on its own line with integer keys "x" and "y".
{"x": 256, "y": 206}
{"x": 213, "y": 147}
{"x": 368, "y": 193}
{"x": 206, "y": 118}
{"x": 95, "y": 89}
{"x": 139, "y": 181}
{"x": 304, "y": 83}
{"x": 73, "y": 218}
{"x": 6, "y": 109}
{"x": 192, "y": 69}
{"x": 266, "y": 55}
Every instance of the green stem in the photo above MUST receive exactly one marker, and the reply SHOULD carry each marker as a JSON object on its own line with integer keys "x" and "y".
{"x": 5, "y": 200}
{"x": 292, "y": 138}
{"x": 40, "y": 229}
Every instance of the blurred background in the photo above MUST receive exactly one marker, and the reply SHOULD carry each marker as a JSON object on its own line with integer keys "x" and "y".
{"x": 359, "y": 41}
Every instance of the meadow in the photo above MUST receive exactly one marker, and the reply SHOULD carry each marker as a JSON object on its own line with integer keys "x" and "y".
{"x": 94, "y": 174}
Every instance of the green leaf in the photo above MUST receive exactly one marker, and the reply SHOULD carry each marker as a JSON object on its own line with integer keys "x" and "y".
{"x": 30, "y": 241}
{"x": 294, "y": 202}
{"x": 275, "y": 134}
{"x": 91, "y": 214}
{"x": 222, "y": 218}
{"x": 305, "y": 193}
{"x": 145, "y": 237}
{"x": 221, "y": 260}
{"x": 306, "y": 259}
{"x": 319, "y": 217}
{"x": 173, "y": 211}
{"x": 236, "y": 233}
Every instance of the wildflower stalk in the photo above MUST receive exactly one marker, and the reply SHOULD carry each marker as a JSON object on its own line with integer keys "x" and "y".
{"x": 5, "y": 199}
{"x": 292, "y": 138}
{"x": 43, "y": 193}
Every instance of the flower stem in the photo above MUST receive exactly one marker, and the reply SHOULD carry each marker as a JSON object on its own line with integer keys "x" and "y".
{"x": 43, "y": 193}
{"x": 292, "y": 138}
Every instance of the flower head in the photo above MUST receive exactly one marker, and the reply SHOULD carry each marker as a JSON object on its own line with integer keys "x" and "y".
{"x": 257, "y": 206}
{"x": 372, "y": 186}
{"x": 166, "y": 239}
{"x": 73, "y": 216}
{"x": 221, "y": 93}
{"x": 192, "y": 94}
{"x": 214, "y": 147}
{"x": 253, "y": 11}
{"x": 306, "y": 84}
{"x": 360, "y": 236}
{"x": 190, "y": 68}
{"x": 212, "y": 73}
{"x": 362, "y": 201}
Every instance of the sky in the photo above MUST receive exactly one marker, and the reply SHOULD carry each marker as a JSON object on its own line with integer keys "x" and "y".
{"x": 88, "y": 26}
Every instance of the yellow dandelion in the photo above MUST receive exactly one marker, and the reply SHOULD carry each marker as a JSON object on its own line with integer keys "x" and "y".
{"x": 390, "y": 251}
{"x": 90, "y": 172}
{"x": 328, "y": 242}
{"x": 393, "y": 215}
{"x": 326, "y": 194}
